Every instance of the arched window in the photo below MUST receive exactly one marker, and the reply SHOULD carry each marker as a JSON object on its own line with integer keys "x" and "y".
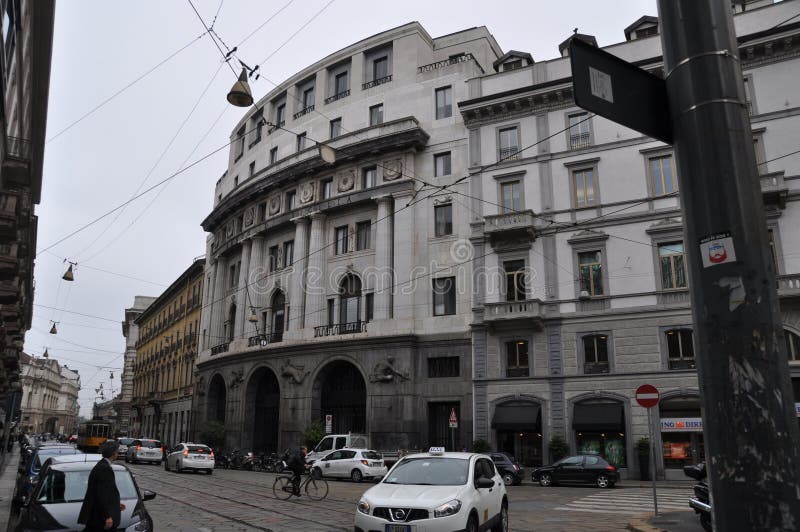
{"x": 278, "y": 316}
{"x": 680, "y": 348}
{"x": 792, "y": 345}
{"x": 350, "y": 300}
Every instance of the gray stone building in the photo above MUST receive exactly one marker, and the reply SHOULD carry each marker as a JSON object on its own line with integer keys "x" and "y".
{"x": 49, "y": 396}
{"x": 130, "y": 330}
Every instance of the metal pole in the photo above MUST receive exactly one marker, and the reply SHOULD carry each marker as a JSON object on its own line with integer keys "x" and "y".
{"x": 652, "y": 461}
{"x": 751, "y": 434}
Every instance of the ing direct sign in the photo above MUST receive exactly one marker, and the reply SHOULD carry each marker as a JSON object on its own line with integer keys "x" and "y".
{"x": 681, "y": 424}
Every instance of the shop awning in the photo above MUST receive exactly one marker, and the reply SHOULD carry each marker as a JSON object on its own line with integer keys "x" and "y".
{"x": 521, "y": 417}
{"x": 599, "y": 417}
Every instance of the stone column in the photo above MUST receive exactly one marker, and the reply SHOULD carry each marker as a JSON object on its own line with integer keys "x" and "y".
{"x": 243, "y": 300}
{"x": 384, "y": 278}
{"x": 206, "y": 310}
{"x": 257, "y": 285}
{"x": 297, "y": 289}
{"x": 405, "y": 259}
{"x": 316, "y": 283}
{"x": 217, "y": 328}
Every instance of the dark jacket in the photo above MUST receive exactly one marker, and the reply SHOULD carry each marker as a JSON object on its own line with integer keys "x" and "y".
{"x": 296, "y": 460}
{"x": 102, "y": 498}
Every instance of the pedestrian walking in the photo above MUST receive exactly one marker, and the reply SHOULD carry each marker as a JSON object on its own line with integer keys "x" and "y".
{"x": 101, "y": 507}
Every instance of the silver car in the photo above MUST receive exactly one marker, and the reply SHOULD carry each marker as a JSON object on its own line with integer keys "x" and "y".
{"x": 145, "y": 450}
{"x": 124, "y": 443}
{"x": 190, "y": 457}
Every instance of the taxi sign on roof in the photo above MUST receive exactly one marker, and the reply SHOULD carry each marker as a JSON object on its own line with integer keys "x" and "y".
{"x": 436, "y": 450}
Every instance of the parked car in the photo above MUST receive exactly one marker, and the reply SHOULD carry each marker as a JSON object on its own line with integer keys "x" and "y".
{"x": 436, "y": 492}
{"x": 583, "y": 469}
{"x": 355, "y": 464}
{"x": 190, "y": 457}
{"x": 145, "y": 450}
{"x": 57, "y": 499}
{"x": 72, "y": 439}
{"x": 124, "y": 443}
{"x": 29, "y": 471}
{"x": 68, "y": 458}
{"x": 509, "y": 469}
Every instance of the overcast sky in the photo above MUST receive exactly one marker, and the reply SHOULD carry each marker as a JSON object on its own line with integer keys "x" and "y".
{"x": 127, "y": 144}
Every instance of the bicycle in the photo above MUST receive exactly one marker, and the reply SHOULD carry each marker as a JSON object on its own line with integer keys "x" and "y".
{"x": 315, "y": 488}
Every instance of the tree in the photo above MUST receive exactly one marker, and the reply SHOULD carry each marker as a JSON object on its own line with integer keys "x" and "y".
{"x": 213, "y": 434}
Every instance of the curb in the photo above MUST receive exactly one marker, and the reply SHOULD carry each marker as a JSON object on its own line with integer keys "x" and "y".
{"x": 640, "y": 524}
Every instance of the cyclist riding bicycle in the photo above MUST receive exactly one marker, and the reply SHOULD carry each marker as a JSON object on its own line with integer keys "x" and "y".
{"x": 296, "y": 462}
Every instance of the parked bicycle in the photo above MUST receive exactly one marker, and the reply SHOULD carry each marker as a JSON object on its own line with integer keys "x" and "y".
{"x": 315, "y": 488}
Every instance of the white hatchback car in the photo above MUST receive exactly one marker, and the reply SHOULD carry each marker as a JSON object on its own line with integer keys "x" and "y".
{"x": 355, "y": 464}
{"x": 144, "y": 450}
{"x": 436, "y": 492}
{"x": 190, "y": 457}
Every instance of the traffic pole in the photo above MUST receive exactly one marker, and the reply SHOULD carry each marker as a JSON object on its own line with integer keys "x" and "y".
{"x": 751, "y": 433}
{"x": 652, "y": 462}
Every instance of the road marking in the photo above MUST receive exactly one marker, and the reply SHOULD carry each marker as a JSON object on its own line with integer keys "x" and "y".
{"x": 628, "y": 501}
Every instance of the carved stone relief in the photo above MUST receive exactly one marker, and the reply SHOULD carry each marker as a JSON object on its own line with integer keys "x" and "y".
{"x": 274, "y": 205}
{"x": 249, "y": 216}
{"x": 386, "y": 372}
{"x": 347, "y": 180}
{"x": 392, "y": 169}
{"x": 294, "y": 374}
{"x": 306, "y": 193}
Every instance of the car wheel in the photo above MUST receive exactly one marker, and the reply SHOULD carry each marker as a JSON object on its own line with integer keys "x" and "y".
{"x": 545, "y": 480}
{"x": 356, "y": 475}
{"x": 502, "y": 526}
{"x": 472, "y": 524}
{"x": 603, "y": 481}
{"x": 209, "y": 471}
{"x": 508, "y": 479}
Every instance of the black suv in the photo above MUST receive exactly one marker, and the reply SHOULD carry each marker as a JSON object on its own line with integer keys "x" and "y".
{"x": 508, "y": 468}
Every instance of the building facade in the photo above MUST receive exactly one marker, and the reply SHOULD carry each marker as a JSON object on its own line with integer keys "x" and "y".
{"x": 581, "y": 219}
{"x": 166, "y": 350}
{"x": 130, "y": 330}
{"x": 25, "y": 53}
{"x": 331, "y": 287}
{"x": 49, "y": 396}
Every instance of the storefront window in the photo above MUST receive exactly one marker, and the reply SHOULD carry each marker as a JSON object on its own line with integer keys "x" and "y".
{"x": 519, "y": 433}
{"x": 681, "y": 432}
{"x": 600, "y": 429}
{"x": 610, "y": 446}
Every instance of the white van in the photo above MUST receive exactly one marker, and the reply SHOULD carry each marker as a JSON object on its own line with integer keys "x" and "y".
{"x": 333, "y": 442}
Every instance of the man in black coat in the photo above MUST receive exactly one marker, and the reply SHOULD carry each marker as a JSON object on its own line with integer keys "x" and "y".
{"x": 101, "y": 507}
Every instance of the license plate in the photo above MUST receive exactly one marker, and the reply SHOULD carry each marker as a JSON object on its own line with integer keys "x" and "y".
{"x": 398, "y": 528}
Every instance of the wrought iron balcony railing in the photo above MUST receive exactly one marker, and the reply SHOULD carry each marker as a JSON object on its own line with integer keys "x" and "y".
{"x": 221, "y": 348}
{"x": 340, "y": 328}
{"x": 343, "y": 94}
{"x": 303, "y": 111}
{"x": 265, "y": 339}
{"x": 376, "y": 82}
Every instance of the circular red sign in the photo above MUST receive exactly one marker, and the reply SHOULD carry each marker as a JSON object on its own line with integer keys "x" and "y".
{"x": 647, "y": 395}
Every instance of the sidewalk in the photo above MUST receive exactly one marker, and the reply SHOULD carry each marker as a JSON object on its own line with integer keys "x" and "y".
{"x": 8, "y": 478}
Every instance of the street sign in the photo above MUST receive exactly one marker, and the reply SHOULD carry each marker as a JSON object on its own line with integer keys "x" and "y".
{"x": 647, "y": 395}
{"x": 615, "y": 89}
{"x": 328, "y": 423}
{"x": 453, "y": 421}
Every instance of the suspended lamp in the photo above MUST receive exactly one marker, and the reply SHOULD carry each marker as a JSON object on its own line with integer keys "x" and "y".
{"x": 68, "y": 275}
{"x": 46, "y": 354}
{"x": 253, "y": 318}
{"x": 53, "y": 329}
{"x": 327, "y": 153}
{"x": 240, "y": 94}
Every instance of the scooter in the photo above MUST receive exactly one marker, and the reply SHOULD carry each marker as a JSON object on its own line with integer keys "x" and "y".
{"x": 700, "y": 503}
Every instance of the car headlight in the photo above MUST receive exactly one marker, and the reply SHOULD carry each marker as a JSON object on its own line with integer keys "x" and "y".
{"x": 363, "y": 506}
{"x": 448, "y": 508}
{"x": 141, "y": 526}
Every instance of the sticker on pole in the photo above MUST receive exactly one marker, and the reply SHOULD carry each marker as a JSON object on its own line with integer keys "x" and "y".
{"x": 328, "y": 423}
{"x": 717, "y": 249}
{"x": 647, "y": 395}
{"x": 453, "y": 421}
{"x": 600, "y": 83}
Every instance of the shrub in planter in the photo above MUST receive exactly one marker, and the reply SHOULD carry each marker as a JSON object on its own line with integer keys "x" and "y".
{"x": 480, "y": 446}
{"x": 558, "y": 447}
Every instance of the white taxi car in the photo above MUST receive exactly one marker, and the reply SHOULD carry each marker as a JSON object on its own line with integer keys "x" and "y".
{"x": 190, "y": 457}
{"x": 355, "y": 464}
{"x": 436, "y": 492}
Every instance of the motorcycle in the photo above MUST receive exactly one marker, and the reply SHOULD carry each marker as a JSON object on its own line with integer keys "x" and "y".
{"x": 222, "y": 461}
{"x": 701, "y": 502}
{"x": 273, "y": 464}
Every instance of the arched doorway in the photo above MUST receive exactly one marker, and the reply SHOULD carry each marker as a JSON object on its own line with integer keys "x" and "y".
{"x": 263, "y": 401}
{"x": 519, "y": 430}
{"x": 340, "y": 390}
{"x": 278, "y": 316}
{"x": 216, "y": 399}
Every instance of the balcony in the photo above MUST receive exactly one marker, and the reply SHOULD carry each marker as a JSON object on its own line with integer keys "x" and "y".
{"x": 376, "y": 82}
{"x": 511, "y": 229}
{"x": 304, "y": 111}
{"x": 579, "y": 141}
{"x": 265, "y": 339}
{"x": 774, "y": 189}
{"x": 446, "y": 63}
{"x": 221, "y": 348}
{"x": 341, "y": 328}
{"x": 510, "y": 153}
{"x": 789, "y": 286}
{"x": 517, "y": 313}
{"x": 16, "y": 165}
{"x": 343, "y": 94}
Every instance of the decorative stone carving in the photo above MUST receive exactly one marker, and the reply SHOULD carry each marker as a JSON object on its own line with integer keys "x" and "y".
{"x": 443, "y": 200}
{"x": 392, "y": 169}
{"x": 200, "y": 386}
{"x": 306, "y": 193}
{"x": 386, "y": 372}
{"x": 347, "y": 180}
{"x": 274, "y": 204}
{"x": 229, "y": 230}
{"x": 294, "y": 374}
{"x": 237, "y": 378}
{"x": 249, "y": 216}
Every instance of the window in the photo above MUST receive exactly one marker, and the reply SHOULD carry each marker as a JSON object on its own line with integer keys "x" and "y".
{"x": 380, "y": 68}
{"x": 510, "y": 197}
{"x": 583, "y": 184}
{"x": 240, "y": 142}
{"x": 273, "y": 155}
{"x": 331, "y": 307}
{"x": 662, "y": 175}
{"x": 758, "y": 148}
{"x": 443, "y": 215}
{"x": 773, "y": 249}
{"x": 262, "y": 211}
{"x": 595, "y": 353}
{"x": 340, "y": 83}
{"x": 280, "y": 114}
{"x": 252, "y": 168}
{"x": 236, "y": 181}
{"x": 350, "y": 303}
{"x": 258, "y": 120}
{"x": 517, "y": 364}
{"x": 341, "y": 234}
{"x": 336, "y": 127}
{"x": 792, "y": 345}
{"x": 680, "y": 349}
{"x": 291, "y": 200}
{"x": 301, "y": 141}
{"x": 444, "y": 102}
{"x": 327, "y": 188}
{"x": 288, "y": 253}
{"x": 363, "y": 230}
{"x": 672, "y": 261}
{"x": 441, "y": 164}
{"x": 748, "y": 99}
{"x": 509, "y": 143}
{"x": 232, "y": 280}
{"x": 515, "y": 280}
{"x": 591, "y": 273}
{"x": 443, "y": 367}
{"x": 578, "y": 131}
{"x": 308, "y": 98}
{"x": 444, "y": 296}
{"x": 368, "y": 177}
{"x": 369, "y": 303}
{"x": 274, "y": 256}
{"x": 376, "y": 115}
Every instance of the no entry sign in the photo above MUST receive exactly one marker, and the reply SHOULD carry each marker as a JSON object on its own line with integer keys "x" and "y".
{"x": 647, "y": 395}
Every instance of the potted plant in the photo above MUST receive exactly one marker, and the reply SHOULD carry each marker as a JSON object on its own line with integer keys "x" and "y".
{"x": 558, "y": 447}
{"x": 480, "y": 446}
{"x": 643, "y": 451}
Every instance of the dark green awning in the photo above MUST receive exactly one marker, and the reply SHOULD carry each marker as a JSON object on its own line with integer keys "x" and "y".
{"x": 521, "y": 417}
{"x": 599, "y": 417}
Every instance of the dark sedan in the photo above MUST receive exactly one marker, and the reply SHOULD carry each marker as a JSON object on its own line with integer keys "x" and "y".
{"x": 580, "y": 469}
{"x": 508, "y": 468}
{"x": 57, "y": 499}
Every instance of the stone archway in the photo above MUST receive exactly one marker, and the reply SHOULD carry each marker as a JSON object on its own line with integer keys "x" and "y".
{"x": 340, "y": 390}
{"x": 217, "y": 399}
{"x": 262, "y": 407}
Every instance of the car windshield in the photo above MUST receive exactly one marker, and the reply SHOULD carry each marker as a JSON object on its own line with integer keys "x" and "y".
{"x": 151, "y": 444}
{"x": 372, "y": 455}
{"x": 70, "y": 486}
{"x": 125, "y": 441}
{"x": 43, "y": 455}
{"x": 428, "y": 471}
{"x": 198, "y": 449}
